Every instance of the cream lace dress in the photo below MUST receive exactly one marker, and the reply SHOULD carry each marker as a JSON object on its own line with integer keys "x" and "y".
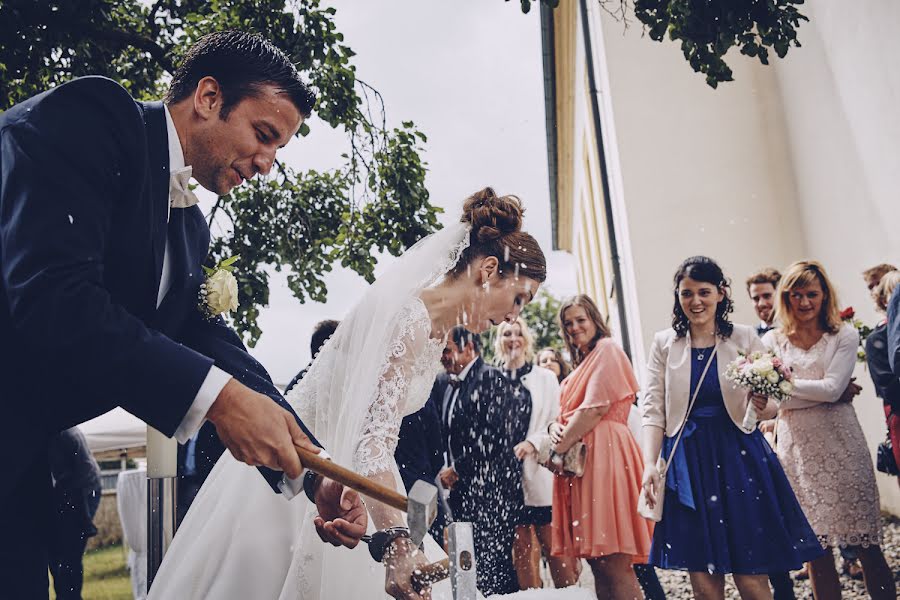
{"x": 822, "y": 447}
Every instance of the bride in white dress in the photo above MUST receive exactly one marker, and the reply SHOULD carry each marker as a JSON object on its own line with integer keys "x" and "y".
{"x": 239, "y": 540}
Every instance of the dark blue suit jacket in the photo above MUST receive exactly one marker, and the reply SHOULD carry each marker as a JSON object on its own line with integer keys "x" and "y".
{"x": 887, "y": 385}
{"x": 84, "y": 192}
{"x": 420, "y": 451}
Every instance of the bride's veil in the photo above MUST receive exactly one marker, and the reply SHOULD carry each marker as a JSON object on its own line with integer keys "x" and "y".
{"x": 335, "y": 397}
{"x": 340, "y": 386}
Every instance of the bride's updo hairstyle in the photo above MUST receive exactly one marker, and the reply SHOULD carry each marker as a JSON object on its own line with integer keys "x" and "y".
{"x": 497, "y": 231}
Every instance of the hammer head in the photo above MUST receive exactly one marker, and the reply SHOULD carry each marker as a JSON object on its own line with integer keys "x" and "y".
{"x": 421, "y": 510}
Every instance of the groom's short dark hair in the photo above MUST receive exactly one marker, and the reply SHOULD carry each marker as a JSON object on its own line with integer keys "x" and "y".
{"x": 241, "y": 62}
{"x": 462, "y": 336}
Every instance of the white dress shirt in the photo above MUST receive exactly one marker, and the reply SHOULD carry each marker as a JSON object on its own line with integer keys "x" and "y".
{"x": 216, "y": 378}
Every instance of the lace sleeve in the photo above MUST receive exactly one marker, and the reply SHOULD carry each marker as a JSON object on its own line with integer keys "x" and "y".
{"x": 398, "y": 385}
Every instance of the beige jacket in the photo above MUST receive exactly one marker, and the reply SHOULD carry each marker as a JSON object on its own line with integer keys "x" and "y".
{"x": 667, "y": 392}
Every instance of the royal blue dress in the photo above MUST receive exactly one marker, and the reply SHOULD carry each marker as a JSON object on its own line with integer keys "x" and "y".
{"x": 729, "y": 507}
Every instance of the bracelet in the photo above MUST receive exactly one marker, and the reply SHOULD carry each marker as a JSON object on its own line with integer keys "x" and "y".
{"x": 380, "y": 540}
{"x": 309, "y": 485}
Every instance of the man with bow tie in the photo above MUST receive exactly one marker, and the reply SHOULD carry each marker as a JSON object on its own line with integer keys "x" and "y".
{"x": 483, "y": 475}
{"x": 101, "y": 247}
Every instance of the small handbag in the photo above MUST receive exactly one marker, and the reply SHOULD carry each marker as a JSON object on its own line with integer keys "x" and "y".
{"x": 569, "y": 464}
{"x": 885, "y": 461}
{"x": 655, "y": 514}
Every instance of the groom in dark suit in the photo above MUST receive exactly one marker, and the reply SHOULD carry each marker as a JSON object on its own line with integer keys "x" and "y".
{"x": 101, "y": 247}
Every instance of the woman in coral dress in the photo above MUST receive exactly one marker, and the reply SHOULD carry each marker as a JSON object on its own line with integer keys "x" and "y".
{"x": 594, "y": 516}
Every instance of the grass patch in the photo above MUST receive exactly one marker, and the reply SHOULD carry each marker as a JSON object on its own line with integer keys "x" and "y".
{"x": 105, "y": 575}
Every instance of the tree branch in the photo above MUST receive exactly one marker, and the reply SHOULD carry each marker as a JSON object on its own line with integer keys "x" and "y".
{"x": 151, "y": 19}
{"x": 137, "y": 41}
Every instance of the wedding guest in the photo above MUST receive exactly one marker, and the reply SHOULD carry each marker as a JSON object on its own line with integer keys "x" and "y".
{"x": 551, "y": 358}
{"x": 887, "y": 386}
{"x": 837, "y": 490}
{"x": 873, "y": 276}
{"x": 76, "y": 493}
{"x": 728, "y": 506}
{"x": 482, "y": 421}
{"x": 594, "y": 515}
{"x": 514, "y": 348}
{"x": 321, "y": 332}
{"x": 761, "y": 289}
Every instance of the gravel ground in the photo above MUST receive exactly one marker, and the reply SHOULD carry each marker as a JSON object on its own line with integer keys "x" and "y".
{"x": 678, "y": 587}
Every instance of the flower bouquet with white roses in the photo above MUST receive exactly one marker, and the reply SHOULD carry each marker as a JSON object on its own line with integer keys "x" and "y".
{"x": 219, "y": 293}
{"x": 761, "y": 373}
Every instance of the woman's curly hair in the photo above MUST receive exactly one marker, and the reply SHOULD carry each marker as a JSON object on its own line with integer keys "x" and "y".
{"x": 705, "y": 269}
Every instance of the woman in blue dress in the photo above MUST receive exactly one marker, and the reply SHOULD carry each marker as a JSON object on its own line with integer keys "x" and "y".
{"x": 728, "y": 505}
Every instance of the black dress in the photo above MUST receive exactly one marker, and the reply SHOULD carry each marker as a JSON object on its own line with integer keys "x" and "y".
{"x": 489, "y": 492}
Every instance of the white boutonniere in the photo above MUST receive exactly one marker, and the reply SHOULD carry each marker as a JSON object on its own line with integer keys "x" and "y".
{"x": 219, "y": 293}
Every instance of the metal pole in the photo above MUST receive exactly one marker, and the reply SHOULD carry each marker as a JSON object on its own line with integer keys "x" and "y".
{"x": 618, "y": 284}
{"x": 162, "y": 469}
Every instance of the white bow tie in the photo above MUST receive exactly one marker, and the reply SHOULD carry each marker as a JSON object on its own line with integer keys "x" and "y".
{"x": 180, "y": 195}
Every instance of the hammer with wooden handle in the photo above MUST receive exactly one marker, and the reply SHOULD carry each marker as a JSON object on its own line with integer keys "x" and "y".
{"x": 420, "y": 506}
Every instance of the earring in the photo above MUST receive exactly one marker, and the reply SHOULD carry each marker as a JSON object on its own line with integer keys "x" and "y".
{"x": 485, "y": 285}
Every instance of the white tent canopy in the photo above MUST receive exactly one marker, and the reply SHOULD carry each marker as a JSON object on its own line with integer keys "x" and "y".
{"x": 115, "y": 430}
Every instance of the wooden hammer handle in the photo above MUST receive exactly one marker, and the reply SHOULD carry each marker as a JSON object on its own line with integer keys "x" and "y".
{"x": 352, "y": 480}
{"x": 425, "y": 576}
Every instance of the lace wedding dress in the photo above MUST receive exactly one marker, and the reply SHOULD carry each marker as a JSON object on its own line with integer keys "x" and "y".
{"x": 240, "y": 540}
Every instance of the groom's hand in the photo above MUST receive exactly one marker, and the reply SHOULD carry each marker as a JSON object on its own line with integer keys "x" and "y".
{"x": 257, "y": 431}
{"x": 342, "y": 516}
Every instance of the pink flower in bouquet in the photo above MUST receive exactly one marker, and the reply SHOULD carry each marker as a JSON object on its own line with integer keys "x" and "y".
{"x": 787, "y": 373}
{"x": 776, "y": 362}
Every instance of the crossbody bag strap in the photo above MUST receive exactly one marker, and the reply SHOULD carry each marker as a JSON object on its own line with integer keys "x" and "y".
{"x": 688, "y": 413}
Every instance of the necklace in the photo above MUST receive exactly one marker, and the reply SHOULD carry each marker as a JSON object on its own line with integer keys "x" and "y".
{"x": 701, "y": 354}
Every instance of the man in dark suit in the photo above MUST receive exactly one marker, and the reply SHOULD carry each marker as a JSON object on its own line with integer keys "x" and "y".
{"x": 101, "y": 246}
{"x": 482, "y": 421}
{"x": 420, "y": 452}
{"x": 76, "y": 494}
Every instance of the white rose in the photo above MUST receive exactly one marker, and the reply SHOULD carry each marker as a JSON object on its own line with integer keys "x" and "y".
{"x": 763, "y": 366}
{"x": 772, "y": 376}
{"x": 221, "y": 292}
{"x": 786, "y": 388}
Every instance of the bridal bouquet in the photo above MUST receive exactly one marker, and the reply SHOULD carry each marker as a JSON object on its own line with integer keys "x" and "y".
{"x": 761, "y": 373}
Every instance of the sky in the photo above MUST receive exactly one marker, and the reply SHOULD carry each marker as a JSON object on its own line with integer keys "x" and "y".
{"x": 469, "y": 74}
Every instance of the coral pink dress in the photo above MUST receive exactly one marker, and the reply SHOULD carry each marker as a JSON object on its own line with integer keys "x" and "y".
{"x": 596, "y": 514}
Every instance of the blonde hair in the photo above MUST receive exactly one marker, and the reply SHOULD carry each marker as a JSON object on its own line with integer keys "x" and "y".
{"x": 593, "y": 313}
{"x": 500, "y": 349}
{"x": 885, "y": 289}
{"x": 799, "y": 275}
